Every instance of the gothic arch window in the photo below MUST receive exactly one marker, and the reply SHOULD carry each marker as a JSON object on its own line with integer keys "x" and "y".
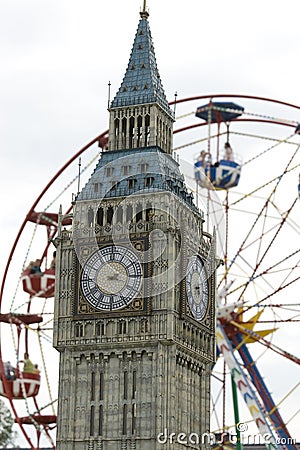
{"x": 109, "y": 215}
{"x": 139, "y": 130}
{"x": 131, "y": 183}
{"x": 149, "y": 211}
{"x": 93, "y": 385}
{"x": 79, "y": 330}
{"x": 129, "y": 213}
{"x": 143, "y": 167}
{"x": 120, "y": 214}
{"x": 90, "y": 217}
{"x": 131, "y": 132}
{"x": 133, "y": 414}
{"x": 92, "y": 421}
{"x": 122, "y": 327}
{"x": 147, "y": 130}
{"x": 100, "y": 329}
{"x": 144, "y": 326}
{"x": 100, "y": 216}
{"x": 97, "y": 187}
{"x": 160, "y": 132}
{"x": 139, "y": 212}
{"x": 109, "y": 171}
{"x": 148, "y": 181}
{"x": 126, "y": 170}
{"x": 170, "y": 139}
{"x": 117, "y": 129}
{"x": 132, "y": 326}
{"x": 124, "y": 131}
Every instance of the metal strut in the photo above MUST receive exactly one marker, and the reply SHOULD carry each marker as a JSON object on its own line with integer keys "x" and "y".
{"x": 245, "y": 388}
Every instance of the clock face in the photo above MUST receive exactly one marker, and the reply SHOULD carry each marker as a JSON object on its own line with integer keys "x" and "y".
{"x": 111, "y": 278}
{"x": 197, "y": 287}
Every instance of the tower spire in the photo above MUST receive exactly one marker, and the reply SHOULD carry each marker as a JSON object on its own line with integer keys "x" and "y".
{"x": 144, "y": 13}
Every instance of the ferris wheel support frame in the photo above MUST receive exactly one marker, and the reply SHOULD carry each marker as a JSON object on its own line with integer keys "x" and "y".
{"x": 264, "y": 393}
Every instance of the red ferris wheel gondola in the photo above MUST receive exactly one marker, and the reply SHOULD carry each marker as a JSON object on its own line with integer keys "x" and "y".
{"x": 14, "y": 382}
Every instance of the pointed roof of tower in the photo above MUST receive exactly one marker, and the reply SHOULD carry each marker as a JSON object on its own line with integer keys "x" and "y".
{"x": 141, "y": 83}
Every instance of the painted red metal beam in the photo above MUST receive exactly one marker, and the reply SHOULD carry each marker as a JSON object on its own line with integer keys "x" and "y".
{"x": 30, "y": 212}
{"x": 251, "y": 97}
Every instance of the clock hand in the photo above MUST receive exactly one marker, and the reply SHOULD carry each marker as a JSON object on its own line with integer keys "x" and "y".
{"x": 197, "y": 289}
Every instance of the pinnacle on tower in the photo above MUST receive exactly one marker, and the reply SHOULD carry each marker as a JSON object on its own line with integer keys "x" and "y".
{"x": 141, "y": 83}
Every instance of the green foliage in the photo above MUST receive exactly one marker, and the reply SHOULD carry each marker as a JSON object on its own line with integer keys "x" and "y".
{"x": 6, "y": 424}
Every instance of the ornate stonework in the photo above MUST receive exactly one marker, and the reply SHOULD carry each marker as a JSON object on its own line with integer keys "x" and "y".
{"x": 128, "y": 373}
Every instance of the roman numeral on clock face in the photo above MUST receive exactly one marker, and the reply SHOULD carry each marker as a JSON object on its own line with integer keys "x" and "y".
{"x": 111, "y": 278}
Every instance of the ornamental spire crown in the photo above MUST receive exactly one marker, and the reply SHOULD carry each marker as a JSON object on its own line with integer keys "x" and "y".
{"x": 142, "y": 83}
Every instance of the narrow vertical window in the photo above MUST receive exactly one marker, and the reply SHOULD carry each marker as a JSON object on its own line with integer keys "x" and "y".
{"x": 131, "y": 183}
{"x": 79, "y": 330}
{"x": 120, "y": 214}
{"x": 124, "y": 131}
{"x": 134, "y": 384}
{"x": 129, "y": 213}
{"x": 122, "y": 327}
{"x": 125, "y": 385}
{"x": 100, "y": 425}
{"x": 149, "y": 212}
{"x": 147, "y": 130}
{"x": 90, "y": 217}
{"x": 139, "y": 212}
{"x": 92, "y": 421}
{"x": 139, "y": 130}
{"x": 131, "y": 132}
{"x": 117, "y": 129}
{"x": 124, "y": 419}
{"x": 93, "y": 386}
{"x": 101, "y": 386}
{"x": 110, "y": 214}
{"x": 148, "y": 181}
{"x": 100, "y": 214}
{"x": 143, "y": 167}
{"x": 126, "y": 169}
{"x": 109, "y": 171}
{"x": 133, "y": 413}
{"x": 100, "y": 329}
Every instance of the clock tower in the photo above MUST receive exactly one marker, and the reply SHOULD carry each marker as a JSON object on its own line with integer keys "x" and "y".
{"x": 135, "y": 286}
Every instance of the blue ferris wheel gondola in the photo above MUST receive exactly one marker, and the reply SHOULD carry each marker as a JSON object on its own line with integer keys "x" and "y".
{"x": 223, "y": 175}
{"x": 216, "y": 112}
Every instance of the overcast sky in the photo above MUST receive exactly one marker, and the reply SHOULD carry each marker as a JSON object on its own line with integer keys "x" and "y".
{"x": 58, "y": 56}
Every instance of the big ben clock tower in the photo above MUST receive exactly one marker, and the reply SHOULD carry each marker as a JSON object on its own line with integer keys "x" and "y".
{"x": 135, "y": 287}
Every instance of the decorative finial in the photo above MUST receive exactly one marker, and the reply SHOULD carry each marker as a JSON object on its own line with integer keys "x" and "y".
{"x": 144, "y": 13}
{"x": 175, "y": 102}
{"x": 108, "y": 100}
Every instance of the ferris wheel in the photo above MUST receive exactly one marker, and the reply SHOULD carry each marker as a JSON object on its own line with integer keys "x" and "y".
{"x": 245, "y": 178}
{"x": 240, "y": 157}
